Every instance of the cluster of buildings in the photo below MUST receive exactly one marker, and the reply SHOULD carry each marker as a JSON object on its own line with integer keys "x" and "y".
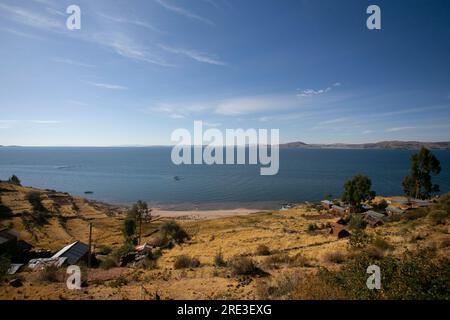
{"x": 396, "y": 206}
{"x": 22, "y": 255}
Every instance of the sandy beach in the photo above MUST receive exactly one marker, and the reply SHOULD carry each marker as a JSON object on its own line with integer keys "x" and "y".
{"x": 205, "y": 214}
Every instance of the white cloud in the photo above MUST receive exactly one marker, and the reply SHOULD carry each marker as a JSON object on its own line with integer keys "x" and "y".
{"x": 312, "y": 92}
{"x": 107, "y": 86}
{"x": 31, "y": 18}
{"x": 395, "y": 129}
{"x": 73, "y": 62}
{"x": 125, "y": 47}
{"x": 333, "y": 121}
{"x": 256, "y": 104}
{"x": 196, "y": 55}
{"x": 135, "y": 22}
{"x": 45, "y": 121}
{"x": 183, "y": 12}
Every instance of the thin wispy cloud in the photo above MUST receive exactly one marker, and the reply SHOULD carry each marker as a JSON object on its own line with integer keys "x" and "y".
{"x": 395, "y": 129}
{"x": 312, "y": 92}
{"x": 118, "y": 43}
{"x": 183, "y": 12}
{"x": 135, "y": 22}
{"x": 107, "y": 86}
{"x": 333, "y": 121}
{"x": 45, "y": 121}
{"x": 30, "y": 18}
{"x": 21, "y": 34}
{"x": 195, "y": 55}
{"x": 7, "y": 124}
{"x": 73, "y": 62}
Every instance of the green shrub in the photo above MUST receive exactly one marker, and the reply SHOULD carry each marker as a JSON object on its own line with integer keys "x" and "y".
{"x": 439, "y": 216}
{"x": 381, "y": 244}
{"x": 312, "y": 227}
{"x": 14, "y": 180}
{"x": 185, "y": 261}
{"x": 124, "y": 249}
{"x": 335, "y": 257}
{"x": 359, "y": 239}
{"x": 105, "y": 250}
{"x": 262, "y": 250}
{"x": 356, "y": 222}
{"x": 219, "y": 261}
{"x": 415, "y": 214}
{"x": 119, "y": 282}
{"x": 173, "y": 231}
{"x": 108, "y": 263}
{"x": 416, "y": 275}
{"x": 243, "y": 266}
{"x": 50, "y": 274}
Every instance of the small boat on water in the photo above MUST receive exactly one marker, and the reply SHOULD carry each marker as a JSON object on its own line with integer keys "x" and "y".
{"x": 88, "y": 192}
{"x": 176, "y": 178}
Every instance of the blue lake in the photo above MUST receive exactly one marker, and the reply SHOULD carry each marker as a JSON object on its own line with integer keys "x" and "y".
{"x": 124, "y": 175}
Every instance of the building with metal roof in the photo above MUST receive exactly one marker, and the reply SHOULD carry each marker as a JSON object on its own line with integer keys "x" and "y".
{"x": 74, "y": 252}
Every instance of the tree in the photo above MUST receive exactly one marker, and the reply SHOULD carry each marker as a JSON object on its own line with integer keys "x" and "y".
{"x": 137, "y": 213}
{"x": 129, "y": 228}
{"x": 418, "y": 183}
{"x": 357, "y": 190}
{"x": 14, "y": 180}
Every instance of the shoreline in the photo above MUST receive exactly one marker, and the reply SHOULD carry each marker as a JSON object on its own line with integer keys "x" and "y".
{"x": 205, "y": 214}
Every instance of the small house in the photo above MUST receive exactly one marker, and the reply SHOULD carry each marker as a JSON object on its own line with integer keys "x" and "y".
{"x": 394, "y": 211}
{"x": 339, "y": 230}
{"x": 74, "y": 252}
{"x": 373, "y": 218}
{"x": 326, "y": 204}
{"x": 339, "y": 210}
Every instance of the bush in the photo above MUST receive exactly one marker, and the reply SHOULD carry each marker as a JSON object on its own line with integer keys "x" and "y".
{"x": 185, "y": 261}
{"x": 108, "y": 263}
{"x": 279, "y": 288}
{"x": 243, "y": 266}
{"x": 312, "y": 227}
{"x": 119, "y": 282}
{"x": 382, "y": 205}
{"x": 416, "y": 275}
{"x": 414, "y": 214}
{"x": 49, "y": 274}
{"x": 382, "y": 244}
{"x": 356, "y": 222}
{"x": 219, "y": 261}
{"x": 125, "y": 249}
{"x": 34, "y": 198}
{"x": 263, "y": 250}
{"x": 439, "y": 216}
{"x": 14, "y": 180}
{"x": 335, "y": 257}
{"x": 359, "y": 239}
{"x": 173, "y": 231}
{"x": 129, "y": 228}
{"x": 105, "y": 250}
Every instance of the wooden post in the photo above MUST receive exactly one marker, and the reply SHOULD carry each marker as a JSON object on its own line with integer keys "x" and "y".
{"x": 90, "y": 244}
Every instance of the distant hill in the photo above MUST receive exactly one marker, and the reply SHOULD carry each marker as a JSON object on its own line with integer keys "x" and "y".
{"x": 398, "y": 145}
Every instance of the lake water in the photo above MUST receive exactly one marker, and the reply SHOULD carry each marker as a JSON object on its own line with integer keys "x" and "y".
{"x": 125, "y": 175}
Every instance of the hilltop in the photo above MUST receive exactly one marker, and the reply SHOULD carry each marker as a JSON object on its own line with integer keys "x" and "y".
{"x": 271, "y": 255}
{"x": 396, "y": 145}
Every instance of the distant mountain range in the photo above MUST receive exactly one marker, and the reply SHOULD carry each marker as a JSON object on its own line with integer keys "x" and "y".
{"x": 395, "y": 145}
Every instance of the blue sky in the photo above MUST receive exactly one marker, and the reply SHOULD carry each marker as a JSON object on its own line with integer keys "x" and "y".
{"x": 137, "y": 70}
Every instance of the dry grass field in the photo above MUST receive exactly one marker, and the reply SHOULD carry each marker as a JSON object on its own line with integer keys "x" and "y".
{"x": 260, "y": 255}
